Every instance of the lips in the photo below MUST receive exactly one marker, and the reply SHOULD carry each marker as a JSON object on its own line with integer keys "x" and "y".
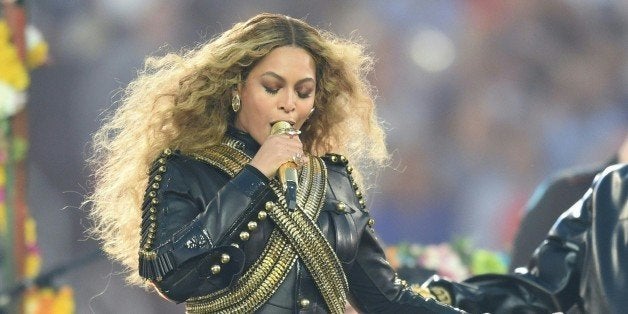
{"x": 292, "y": 123}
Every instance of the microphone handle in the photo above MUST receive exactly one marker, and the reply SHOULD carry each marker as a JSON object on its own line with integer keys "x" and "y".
{"x": 289, "y": 179}
{"x": 287, "y": 172}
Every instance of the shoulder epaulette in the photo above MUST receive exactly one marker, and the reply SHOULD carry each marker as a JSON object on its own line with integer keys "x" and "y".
{"x": 342, "y": 160}
{"x": 151, "y": 265}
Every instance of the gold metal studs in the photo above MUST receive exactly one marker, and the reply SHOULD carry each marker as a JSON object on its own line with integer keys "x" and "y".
{"x": 261, "y": 215}
{"x": 215, "y": 269}
{"x": 244, "y": 236}
{"x": 252, "y": 225}
{"x": 341, "y": 206}
{"x": 304, "y": 303}
{"x": 225, "y": 258}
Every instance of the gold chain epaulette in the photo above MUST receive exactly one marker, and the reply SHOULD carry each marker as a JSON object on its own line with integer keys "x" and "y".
{"x": 151, "y": 265}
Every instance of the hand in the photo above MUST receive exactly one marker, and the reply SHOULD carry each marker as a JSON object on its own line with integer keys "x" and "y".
{"x": 277, "y": 150}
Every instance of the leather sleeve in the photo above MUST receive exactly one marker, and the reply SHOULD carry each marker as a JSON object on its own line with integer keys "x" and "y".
{"x": 376, "y": 288}
{"x": 547, "y": 203}
{"x": 581, "y": 264}
{"x": 197, "y": 208}
{"x": 373, "y": 284}
{"x": 604, "y": 279}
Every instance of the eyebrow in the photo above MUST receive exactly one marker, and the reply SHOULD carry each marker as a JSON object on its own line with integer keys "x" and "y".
{"x": 278, "y": 77}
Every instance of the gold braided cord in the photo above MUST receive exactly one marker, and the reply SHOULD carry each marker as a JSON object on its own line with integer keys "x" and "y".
{"x": 311, "y": 244}
{"x": 264, "y": 277}
{"x": 255, "y": 287}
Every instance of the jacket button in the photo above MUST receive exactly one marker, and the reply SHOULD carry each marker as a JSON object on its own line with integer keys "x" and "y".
{"x": 215, "y": 269}
{"x": 261, "y": 215}
{"x": 341, "y": 207}
{"x": 244, "y": 235}
{"x": 304, "y": 303}
{"x": 252, "y": 225}
{"x": 225, "y": 258}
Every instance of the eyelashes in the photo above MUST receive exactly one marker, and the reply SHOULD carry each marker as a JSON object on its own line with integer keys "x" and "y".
{"x": 271, "y": 91}
{"x": 274, "y": 91}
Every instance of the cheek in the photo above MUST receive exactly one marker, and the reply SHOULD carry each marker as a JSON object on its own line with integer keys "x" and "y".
{"x": 260, "y": 104}
{"x": 304, "y": 111}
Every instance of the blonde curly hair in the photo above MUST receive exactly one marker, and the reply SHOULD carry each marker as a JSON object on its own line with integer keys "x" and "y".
{"x": 181, "y": 101}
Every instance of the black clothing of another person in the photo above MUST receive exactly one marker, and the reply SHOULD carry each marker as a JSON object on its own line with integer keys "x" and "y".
{"x": 580, "y": 267}
{"x": 549, "y": 200}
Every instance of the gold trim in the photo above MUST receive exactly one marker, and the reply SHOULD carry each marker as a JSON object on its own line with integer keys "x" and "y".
{"x": 263, "y": 278}
{"x": 309, "y": 241}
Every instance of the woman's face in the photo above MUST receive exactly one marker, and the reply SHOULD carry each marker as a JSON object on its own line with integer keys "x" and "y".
{"x": 281, "y": 87}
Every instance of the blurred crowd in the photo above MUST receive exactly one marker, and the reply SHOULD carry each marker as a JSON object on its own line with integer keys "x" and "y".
{"x": 483, "y": 99}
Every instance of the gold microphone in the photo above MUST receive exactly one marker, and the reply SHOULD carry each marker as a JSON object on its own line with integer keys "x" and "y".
{"x": 287, "y": 172}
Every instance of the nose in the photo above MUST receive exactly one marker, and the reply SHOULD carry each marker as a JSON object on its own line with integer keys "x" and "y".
{"x": 288, "y": 103}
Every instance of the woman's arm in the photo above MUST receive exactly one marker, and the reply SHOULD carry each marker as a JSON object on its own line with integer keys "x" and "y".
{"x": 191, "y": 212}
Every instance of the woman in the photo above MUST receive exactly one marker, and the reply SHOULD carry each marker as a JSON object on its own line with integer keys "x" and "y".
{"x": 186, "y": 176}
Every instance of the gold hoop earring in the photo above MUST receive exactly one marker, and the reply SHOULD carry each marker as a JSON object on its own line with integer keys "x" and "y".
{"x": 235, "y": 103}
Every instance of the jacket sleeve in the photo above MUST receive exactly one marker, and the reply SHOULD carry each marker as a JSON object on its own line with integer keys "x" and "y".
{"x": 581, "y": 264}
{"x": 190, "y": 213}
{"x": 376, "y": 288}
{"x": 373, "y": 284}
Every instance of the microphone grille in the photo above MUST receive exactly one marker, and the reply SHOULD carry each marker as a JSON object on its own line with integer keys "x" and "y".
{"x": 280, "y": 127}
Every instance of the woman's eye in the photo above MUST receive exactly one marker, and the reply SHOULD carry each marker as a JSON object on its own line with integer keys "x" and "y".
{"x": 304, "y": 95}
{"x": 271, "y": 91}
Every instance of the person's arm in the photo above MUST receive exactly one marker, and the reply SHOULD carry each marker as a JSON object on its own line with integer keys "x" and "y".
{"x": 547, "y": 203}
{"x": 376, "y": 288}
{"x": 604, "y": 276}
{"x": 373, "y": 284}
{"x": 582, "y": 263}
{"x": 196, "y": 211}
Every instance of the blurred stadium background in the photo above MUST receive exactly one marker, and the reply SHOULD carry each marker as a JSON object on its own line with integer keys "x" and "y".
{"x": 483, "y": 99}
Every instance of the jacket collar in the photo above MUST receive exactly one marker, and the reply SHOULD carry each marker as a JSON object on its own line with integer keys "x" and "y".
{"x": 243, "y": 141}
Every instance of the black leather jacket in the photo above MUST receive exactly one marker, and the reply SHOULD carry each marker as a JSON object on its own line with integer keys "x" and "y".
{"x": 202, "y": 229}
{"x": 582, "y": 266}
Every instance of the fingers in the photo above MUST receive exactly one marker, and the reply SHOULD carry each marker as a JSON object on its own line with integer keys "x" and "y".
{"x": 289, "y": 148}
{"x": 277, "y": 150}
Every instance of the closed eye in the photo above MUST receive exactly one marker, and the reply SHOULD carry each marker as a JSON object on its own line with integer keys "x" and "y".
{"x": 304, "y": 95}
{"x": 271, "y": 91}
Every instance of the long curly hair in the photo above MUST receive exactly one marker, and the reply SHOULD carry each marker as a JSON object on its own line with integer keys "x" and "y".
{"x": 182, "y": 101}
